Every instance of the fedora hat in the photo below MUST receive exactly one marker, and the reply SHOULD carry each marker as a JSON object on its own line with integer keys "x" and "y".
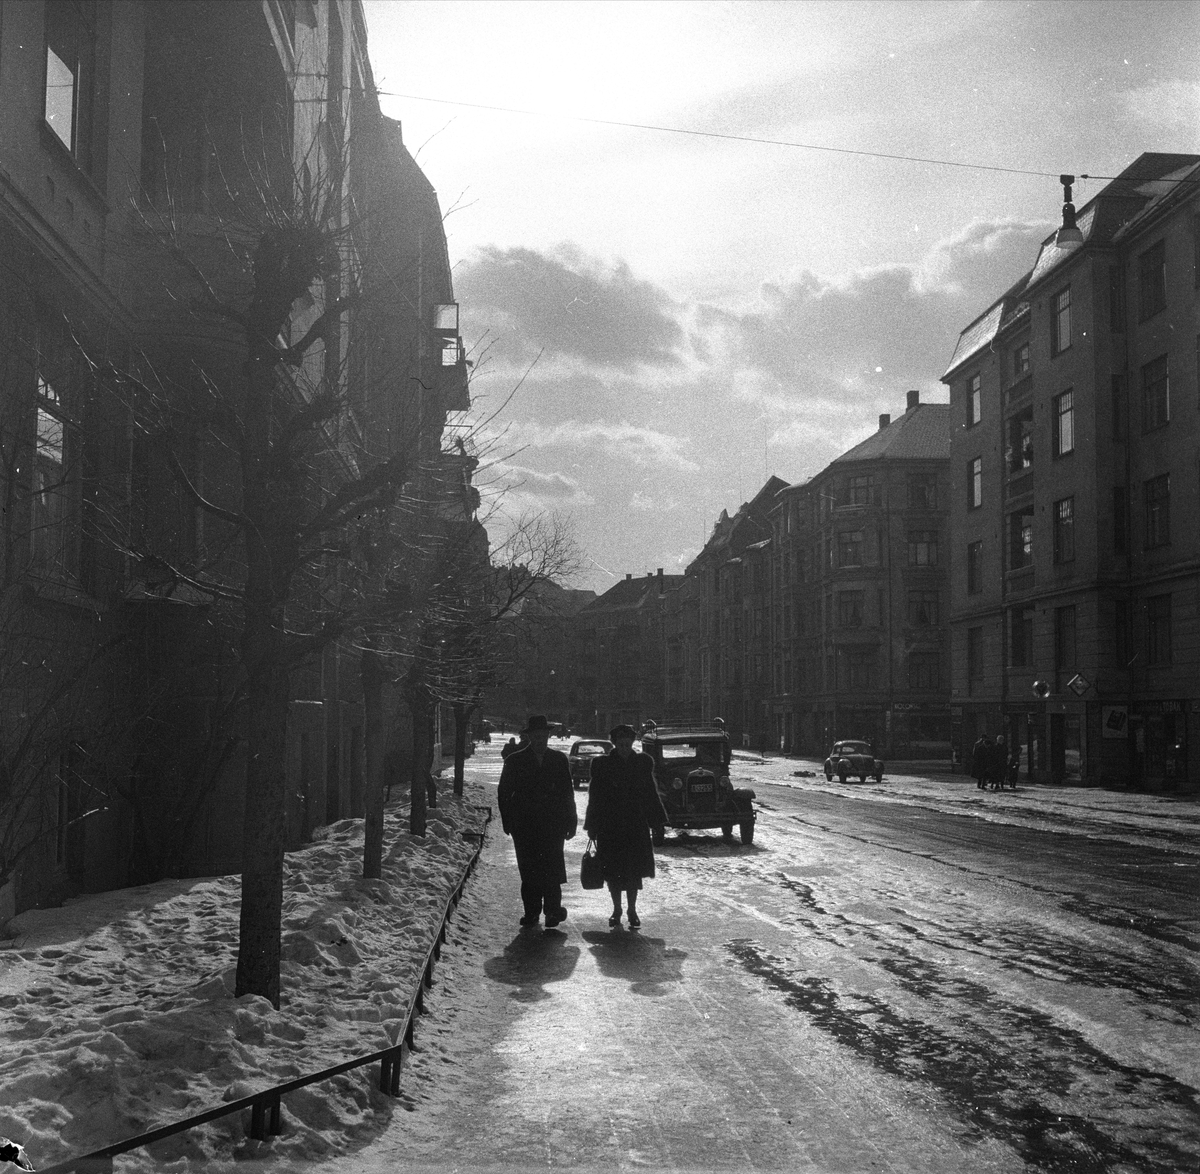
{"x": 537, "y": 721}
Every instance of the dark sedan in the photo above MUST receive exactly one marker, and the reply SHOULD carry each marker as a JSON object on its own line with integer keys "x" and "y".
{"x": 582, "y": 753}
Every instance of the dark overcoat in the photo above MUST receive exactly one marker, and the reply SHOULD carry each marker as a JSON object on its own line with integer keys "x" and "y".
{"x": 981, "y": 759}
{"x": 623, "y": 810}
{"x": 537, "y": 808}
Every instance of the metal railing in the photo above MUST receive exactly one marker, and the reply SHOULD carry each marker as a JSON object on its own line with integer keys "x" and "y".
{"x": 266, "y": 1107}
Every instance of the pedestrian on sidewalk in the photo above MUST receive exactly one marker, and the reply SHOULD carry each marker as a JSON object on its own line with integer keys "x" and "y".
{"x": 623, "y": 813}
{"x": 998, "y": 763}
{"x": 537, "y": 808}
{"x": 981, "y": 754}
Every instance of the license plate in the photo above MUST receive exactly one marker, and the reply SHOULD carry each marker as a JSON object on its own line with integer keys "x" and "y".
{"x": 702, "y": 786}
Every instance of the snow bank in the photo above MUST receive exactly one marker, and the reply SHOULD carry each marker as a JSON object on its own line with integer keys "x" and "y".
{"x": 117, "y": 1012}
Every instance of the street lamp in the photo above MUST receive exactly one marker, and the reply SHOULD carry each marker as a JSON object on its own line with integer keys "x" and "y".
{"x": 1068, "y": 235}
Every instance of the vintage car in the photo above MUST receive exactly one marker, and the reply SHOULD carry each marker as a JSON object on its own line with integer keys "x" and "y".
{"x": 691, "y": 768}
{"x": 853, "y": 758}
{"x": 581, "y": 757}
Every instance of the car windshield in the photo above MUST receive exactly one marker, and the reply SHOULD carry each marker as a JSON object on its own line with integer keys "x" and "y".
{"x": 701, "y": 750}
{"x": 589, "y": 749}
{"x": 854, "y": 748}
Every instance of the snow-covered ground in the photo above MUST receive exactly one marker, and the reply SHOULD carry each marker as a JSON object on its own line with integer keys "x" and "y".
{"x": 1149, "y": 819}
{"x": 117, "y": 1011}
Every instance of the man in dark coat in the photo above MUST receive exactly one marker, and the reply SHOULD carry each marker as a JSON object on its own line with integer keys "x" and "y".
{"x": 981, "y": 761}
{"x": 623, "y": 812}
{"x": 537, "y": 808}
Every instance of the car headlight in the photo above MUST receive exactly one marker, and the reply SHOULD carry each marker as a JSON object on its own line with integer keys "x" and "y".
{"x": 677, "y": 783}
{"x": 723, "y": 781}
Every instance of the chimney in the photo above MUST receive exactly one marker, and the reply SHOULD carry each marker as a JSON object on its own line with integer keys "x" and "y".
{"x": 660, "y": 581}
{"x": 914, "y": 398}
{"x": 884, "y": 420}
{"x": 628, "y": 577}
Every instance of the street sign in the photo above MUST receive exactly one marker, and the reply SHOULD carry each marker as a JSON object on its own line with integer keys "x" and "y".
{"x": 1079, "y": 684}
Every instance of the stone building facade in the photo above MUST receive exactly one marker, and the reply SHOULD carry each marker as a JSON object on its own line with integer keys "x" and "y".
{"x": 1075, "y": 497}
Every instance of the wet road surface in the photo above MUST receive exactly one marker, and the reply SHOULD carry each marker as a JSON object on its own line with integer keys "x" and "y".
{"x": 866, "y": 987}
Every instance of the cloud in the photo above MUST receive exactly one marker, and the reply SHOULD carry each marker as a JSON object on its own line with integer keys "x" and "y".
{"x": 570, "y": 305}
{"x": 1170, "y": 109}
{"x": 509, "y": 478}
{"x": 642, "y": 446}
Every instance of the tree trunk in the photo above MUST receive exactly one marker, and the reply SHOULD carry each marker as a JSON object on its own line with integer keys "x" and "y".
{"x": 264, "y": 825}
{"x": 462, "y": 730}
{"x": 375, "y": 739}
{"x": 418, "y": 789}
{"x": 431, "y": 748}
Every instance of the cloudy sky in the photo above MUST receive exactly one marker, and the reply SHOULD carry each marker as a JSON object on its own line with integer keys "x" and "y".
{"x": 682, "y": 314}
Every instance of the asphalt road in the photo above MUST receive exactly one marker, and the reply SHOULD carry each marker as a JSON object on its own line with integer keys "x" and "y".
{"x": 876, "y": 986}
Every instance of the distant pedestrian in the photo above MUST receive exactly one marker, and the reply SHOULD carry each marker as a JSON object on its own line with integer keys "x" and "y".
{"x": 998, "y": 763}
{"x": 623, "y": 814}
{"x": 981, "y": 760}
{"x": 537, "y": 808}
{"x": 509, "y": 747}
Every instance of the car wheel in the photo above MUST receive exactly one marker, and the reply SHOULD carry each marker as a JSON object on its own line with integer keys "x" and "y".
{"x": 727, "y": 832}
{"x": 829, "y": 774}
{"x": 879, "y": 777}
{"x": 747, "y": 830}
{"x": 841, "y": 776}
{"x": 862, "y": 778}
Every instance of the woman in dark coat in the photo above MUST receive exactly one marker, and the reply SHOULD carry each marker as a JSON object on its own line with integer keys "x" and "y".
{"x": 623, "y": 811}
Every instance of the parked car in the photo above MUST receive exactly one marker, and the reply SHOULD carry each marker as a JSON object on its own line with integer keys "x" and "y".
{"x": 853, "y": 758}
{"x": 581, "y": 757}
{"x": 691, "y": 768}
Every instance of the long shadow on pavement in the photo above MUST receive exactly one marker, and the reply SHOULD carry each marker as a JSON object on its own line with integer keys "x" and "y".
{"x": 531, "y": 961}
{"x": 646, "y": 963}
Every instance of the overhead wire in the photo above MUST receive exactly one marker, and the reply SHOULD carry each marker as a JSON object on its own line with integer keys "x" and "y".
{"x": 736, "y": 138}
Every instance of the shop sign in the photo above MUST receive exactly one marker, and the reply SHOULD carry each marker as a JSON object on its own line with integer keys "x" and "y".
{"x": 1114, "y": 721}
{"x": 1164, "y": 706}
{"x": 1079, "y": 684}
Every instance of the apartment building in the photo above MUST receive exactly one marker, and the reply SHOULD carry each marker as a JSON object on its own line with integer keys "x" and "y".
{"x": 134, "y": 138}
{"x": 859, "y": 587}
{"x": 1075, "y": 459}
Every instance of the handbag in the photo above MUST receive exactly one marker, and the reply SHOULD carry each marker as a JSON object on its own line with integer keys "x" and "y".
{"x": 591, "y": 871}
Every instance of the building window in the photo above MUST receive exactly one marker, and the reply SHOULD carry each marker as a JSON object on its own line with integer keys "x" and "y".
{"x": 1120, "y": 520}
{"x": 1020, "y": 441}
{"x": 1064, "y": 423}
{"x": 922, "y": 491}
{"x": 1060, "y": 322}
{"x": 1157, "y": 496}
{"x": 1156, "y": 394}
{"x": 922, "y": 548}
{"x": 1123, "y": 632}
{"x": 50, "y": 518}
{"x": 974, "y": 399}
{"x": 975, "y": 483}
{"x": 70, "y": 58}
{"x": 922, "y": 609}
{"x": 974, "y": 568}
{"x": 1064, "y": 530}
{"x": 859, "y": 667}
{"x": 1021, "y": 637}
{"x": 1064, "y": 639}
{"x": 1020, "y": 540}
{"x": 850, "y": 609}
{"x": 1020, "y": 361}
{"x": 850, "y": 547}
{"x": 859, "y": 490}
{"x": 1152, "y": 281}
{"x": 974, "y": 660}
{"x": 1158, "y": 629}
{"x": 923, "y": 670}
